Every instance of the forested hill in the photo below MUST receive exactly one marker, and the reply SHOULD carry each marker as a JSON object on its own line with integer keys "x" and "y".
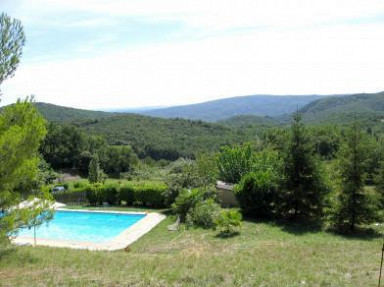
{"x": 165, "y": 138}
{"x": 367, "y": 108}
{"x": 149, "y": 136}
{"x": 251, "y": 121}
{"x": 212, "y": 111}
{"x": 62, "y": 114}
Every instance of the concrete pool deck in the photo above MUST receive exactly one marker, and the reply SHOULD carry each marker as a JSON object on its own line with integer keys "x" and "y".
{"x": 121, "y": 241}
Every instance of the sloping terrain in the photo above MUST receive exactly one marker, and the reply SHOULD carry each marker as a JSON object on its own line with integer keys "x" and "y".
{"x": 212, "y": 111}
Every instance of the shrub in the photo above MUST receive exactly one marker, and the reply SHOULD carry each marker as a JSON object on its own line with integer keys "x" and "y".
{"x": 151, "y": 194}
{"x": 186, "y": 201}
{"x": 78, "y": 185}
{"x": 203, "y": 214}
{"x": 235, "y": 162}
{"x": 229, "y": 221}
{"x": 109, "y": 193}
{"x": 126, "y": 194}
{"x": 256, "y": 194}
{"x": 94, "y": 193}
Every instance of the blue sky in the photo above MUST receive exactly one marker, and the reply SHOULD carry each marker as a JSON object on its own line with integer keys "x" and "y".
{"x": 124, "y": 53}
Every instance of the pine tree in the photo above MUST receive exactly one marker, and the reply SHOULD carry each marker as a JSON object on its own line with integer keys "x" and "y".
{"x": 303, "y": 187}
{"x": 379, "y": 180}
{"x": 22, "y": 130}
{"x": 354, "y": 206}
{"x": 95, "y": 173}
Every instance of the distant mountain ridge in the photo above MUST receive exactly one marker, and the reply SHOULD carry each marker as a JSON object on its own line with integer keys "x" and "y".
{"x": 260, "y": 105}
{"x": 344, "y": 109}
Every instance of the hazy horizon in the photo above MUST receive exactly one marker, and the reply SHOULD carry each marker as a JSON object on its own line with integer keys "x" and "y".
{"x": 127, "y": 54}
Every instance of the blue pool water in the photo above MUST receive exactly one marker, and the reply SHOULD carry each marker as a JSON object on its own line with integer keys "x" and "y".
{"x": 83, "y": 226}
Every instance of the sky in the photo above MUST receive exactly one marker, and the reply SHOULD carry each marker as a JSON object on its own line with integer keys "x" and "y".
{"x": 99, "y": 54}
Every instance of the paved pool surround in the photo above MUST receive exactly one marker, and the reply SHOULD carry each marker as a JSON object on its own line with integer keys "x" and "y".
{"x": 121, "y": 241}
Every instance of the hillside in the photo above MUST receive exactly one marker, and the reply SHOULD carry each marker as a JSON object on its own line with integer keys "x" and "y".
{"x": 367, "y": 108}
{"x": 164, "y": 138}
{"x": 250, "y": 121}
{"x": 61, "y": 114}
{"x": 212, "y": 111}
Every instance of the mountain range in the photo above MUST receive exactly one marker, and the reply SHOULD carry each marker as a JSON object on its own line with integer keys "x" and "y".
{"x": 213, "y": 111}
{"x": 162, "y": 138}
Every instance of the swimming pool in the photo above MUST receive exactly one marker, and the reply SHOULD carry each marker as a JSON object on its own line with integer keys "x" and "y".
{"x": 84, "y": 226}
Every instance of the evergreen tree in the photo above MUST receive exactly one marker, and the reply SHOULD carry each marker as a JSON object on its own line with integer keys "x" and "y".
{"x": 22, "y": 130}
{"x": 95, "y": 174}
{"x": 354, "y": 205}
{"x": 12, "y": 41}
{"x": 303, "y": 186}
{"x": 379, "y": 180}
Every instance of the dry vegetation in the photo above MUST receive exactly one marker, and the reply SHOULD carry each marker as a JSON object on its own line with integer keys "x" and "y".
{"x": 264, "y": 254}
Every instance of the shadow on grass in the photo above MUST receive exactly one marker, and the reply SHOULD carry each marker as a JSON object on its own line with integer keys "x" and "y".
{"x": 300, "y": 228}
{"x": 226, "y": 235}
{"x": 362, "y": 233}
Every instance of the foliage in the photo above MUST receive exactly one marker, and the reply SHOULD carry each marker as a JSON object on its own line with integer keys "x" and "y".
{"x": 303, "y": 186}
{"x": 379, "y": 179}
{"x": 118, "y": 159}
{"x": 187, "y": 173}
{"x": 46, "y": 174}
{"x": 109, "y": 193}
{"x": 354, "y": 205}
{"x": 94, "y": 193}
{"x": 235, "y": 162}
{"x": 127, "y": 194}
{"x": 150, "y": 194}
{"x": 257, "y": 191}
{"x": 167, "y": 139}
{"x": 96, "y": 174}
{"x": 12, "y": 41}
{"x": 186, "y": 201}
{"x": 369, "y": 108}
{"x": 21, "y": 131}
{"x": 229, "y": 221}
{"x": 203, "y": 214}
{"x": 66, "y": 146}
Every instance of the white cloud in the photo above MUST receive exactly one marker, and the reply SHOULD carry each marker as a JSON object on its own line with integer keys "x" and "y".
{"x": 337, "y": 60}
{"x": 307, "y": 47}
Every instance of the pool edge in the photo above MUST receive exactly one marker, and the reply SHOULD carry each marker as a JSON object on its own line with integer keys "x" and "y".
{"x": 121, "y": 241}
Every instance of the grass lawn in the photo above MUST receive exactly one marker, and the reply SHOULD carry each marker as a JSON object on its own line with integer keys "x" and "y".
{"x": 264, "y": 254}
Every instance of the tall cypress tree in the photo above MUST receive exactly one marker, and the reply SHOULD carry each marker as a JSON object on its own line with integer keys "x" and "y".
{"x": 354, "y": 205}
{"x": 303, "y": 188}
{"x": 95, "y": 173}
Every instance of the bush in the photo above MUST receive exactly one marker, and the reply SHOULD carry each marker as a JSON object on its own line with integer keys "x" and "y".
{"x": 256, "y": 194}
{"x": 78, "y": 185}
{"x": 229, "y": 221}
{"x": 151, "y": 194}
{"x": 186, "y": 201}
{"x": 94, "y": 192}
{"x": 203, "y": 214}
{"x": 109, "y": 193}
{"x": 126, "y": 194}
{"x": 235, "y": 162}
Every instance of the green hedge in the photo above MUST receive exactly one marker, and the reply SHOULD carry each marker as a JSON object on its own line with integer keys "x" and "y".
{"x": 151, "y": 194}
{"x": 126, "y": 194}
{"x": 143, "y": 193}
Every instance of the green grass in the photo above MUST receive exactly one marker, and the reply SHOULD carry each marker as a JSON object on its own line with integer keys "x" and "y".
{"x": 264, "y": 254}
